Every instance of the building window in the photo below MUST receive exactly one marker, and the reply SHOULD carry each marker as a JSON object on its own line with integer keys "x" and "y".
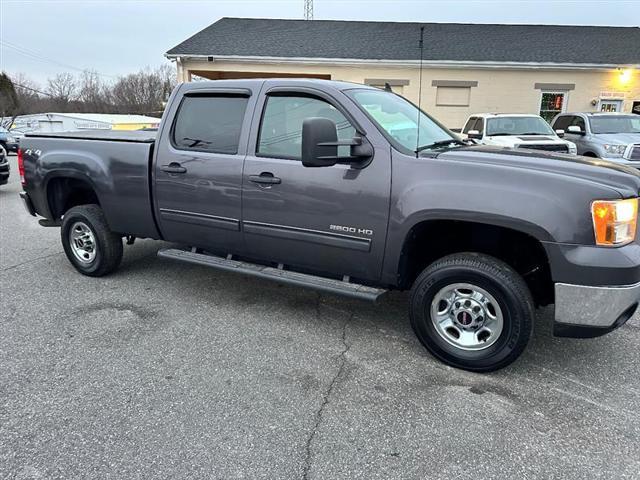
{"x": 552, "y": 104}
{"x": 453, "y": 96}
{"x": 610, "y": 106}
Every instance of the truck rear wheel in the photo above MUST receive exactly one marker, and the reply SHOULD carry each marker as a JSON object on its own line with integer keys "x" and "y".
{"x": 472, "y": 311}
{"x": 90, "y": 246}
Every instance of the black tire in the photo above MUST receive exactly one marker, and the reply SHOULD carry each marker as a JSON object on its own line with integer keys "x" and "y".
{"x": 497, "y": 278}
{"x": 107, "y": 245}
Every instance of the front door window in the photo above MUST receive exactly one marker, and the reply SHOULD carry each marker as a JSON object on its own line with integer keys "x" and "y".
{"x": 552, "y": 104}
{"x": 281, "y": 130}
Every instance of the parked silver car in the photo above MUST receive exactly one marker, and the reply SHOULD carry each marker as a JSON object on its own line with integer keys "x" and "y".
{"x": 612, "y": 136}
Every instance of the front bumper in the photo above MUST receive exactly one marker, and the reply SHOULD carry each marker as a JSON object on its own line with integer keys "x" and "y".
{"x": 586, "y": 312}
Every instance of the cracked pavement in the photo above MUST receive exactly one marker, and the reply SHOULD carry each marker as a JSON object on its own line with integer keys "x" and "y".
{"x": 165, "y": 370}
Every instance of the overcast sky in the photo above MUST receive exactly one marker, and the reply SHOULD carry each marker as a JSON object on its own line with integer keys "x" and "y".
{"x": 43, "y": 37}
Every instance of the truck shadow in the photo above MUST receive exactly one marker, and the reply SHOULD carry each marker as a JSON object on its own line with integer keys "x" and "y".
{"x": 389, "y": 317}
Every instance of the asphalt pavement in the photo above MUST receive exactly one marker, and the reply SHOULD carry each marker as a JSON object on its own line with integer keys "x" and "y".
{"x": 166, "y": 370}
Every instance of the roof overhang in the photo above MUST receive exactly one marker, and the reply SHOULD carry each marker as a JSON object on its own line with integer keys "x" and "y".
{"x": 401, "y": 63}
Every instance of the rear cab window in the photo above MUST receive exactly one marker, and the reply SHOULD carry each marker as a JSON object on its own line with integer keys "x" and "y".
{"x": 209, "y": 123}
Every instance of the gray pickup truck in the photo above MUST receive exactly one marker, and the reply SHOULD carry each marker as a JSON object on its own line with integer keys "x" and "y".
{"x": 320, "y": 184}
{"x": 611, "y": 136}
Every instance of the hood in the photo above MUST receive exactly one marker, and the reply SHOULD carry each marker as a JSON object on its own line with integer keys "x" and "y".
{"x": 623, "y": 179}
{"x": 618, "y": 138}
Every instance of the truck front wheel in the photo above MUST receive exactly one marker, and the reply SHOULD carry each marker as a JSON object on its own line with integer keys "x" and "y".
{"x": 472, "y": 311}
{"x": 90, "y": 246}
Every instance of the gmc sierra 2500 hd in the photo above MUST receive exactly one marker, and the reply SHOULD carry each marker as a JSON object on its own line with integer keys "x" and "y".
{"x": 320, "y": 184}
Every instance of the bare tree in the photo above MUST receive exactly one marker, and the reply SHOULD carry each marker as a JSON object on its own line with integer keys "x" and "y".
{"x": 63, "y": 89}
{"x": 29, "y": 94}
{"x": 93, "y": 94}
{"x": 167, "y": 74}
{"x": 144, "y": 92}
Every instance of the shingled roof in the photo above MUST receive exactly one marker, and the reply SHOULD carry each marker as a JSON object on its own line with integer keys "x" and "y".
{"x": 330, "y": 39}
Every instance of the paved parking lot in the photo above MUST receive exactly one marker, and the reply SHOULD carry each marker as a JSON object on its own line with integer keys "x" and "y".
{"x": 165, "y": 370}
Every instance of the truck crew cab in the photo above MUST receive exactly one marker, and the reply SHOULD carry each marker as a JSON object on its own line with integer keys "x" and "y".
{"x": 351, "y": 189}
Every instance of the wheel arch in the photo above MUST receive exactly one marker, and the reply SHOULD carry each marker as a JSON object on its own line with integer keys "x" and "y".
{"x": 519, "y": 245}
{"x": 67, "y": 189}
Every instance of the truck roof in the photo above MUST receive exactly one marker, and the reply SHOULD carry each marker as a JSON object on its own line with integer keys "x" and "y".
{"x": 287, "y": 81}
{"x": 600, "y": 114}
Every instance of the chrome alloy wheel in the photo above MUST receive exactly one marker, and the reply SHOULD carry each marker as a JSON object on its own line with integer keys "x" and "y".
{"x": 466, "y": 316}
{"x": 83, "y": 242}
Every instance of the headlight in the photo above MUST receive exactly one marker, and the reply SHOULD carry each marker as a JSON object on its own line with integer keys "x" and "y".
{"x": 615, "y": 149}
{"x": 11, "y": 139}
{"x": 615, "y": 221}
{"x": 573, "y": 150}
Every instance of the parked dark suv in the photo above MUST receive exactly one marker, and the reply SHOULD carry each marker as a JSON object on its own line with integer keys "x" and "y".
{"x": 4, "y": 168}
{"x": 8, "y": 141}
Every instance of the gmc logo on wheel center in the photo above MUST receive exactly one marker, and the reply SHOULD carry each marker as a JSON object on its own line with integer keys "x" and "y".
{"x": 343, "y": 229}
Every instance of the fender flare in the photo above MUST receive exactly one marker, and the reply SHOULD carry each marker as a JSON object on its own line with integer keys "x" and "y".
{"x": 393, "y": 258}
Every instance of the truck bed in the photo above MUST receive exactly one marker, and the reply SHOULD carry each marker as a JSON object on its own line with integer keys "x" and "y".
{"x": 136, "y": 136}
{"x": 115, "y": 164}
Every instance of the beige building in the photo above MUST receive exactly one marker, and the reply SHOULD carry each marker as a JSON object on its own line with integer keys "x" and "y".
{"x": 467, "y": 68}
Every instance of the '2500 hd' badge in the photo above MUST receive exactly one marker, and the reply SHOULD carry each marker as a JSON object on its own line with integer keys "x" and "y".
{"x": 344, "y": 229}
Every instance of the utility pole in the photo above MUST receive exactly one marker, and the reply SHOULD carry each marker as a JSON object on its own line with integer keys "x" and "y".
{"x": 308, "y": 9}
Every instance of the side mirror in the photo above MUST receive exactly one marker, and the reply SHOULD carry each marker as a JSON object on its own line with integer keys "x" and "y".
{"x": 560, "y": 132}
{"x": 319, "y": 142}
{"x": 320, "y": 145}
{"x": 575, "y": 129}
{"x": 474, "y": 134}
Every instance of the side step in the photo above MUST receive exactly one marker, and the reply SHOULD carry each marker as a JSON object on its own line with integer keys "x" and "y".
{"x": 338, "y": 287}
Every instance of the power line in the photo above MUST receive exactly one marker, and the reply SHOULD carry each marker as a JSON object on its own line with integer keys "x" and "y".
{"x": 32, "y": 89}
{"x": 308, "y": 9}
{"x": 37, "y": 56}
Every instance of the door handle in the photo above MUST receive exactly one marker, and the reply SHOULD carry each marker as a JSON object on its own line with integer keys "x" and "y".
{"x": 173, "y": 167}
{"x": 265, "y": 178}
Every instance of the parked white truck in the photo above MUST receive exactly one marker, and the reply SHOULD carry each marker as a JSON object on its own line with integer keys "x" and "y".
{"x": 516, "y": 131}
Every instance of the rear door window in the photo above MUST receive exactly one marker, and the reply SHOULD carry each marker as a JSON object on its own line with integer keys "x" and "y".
{"x": 209, "y": 123}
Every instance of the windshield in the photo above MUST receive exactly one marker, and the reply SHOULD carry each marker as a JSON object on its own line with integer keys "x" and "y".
{"x": 398, "y": 118}
{"x": 518, "y": 126}
{"x": 615, "y": 124}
